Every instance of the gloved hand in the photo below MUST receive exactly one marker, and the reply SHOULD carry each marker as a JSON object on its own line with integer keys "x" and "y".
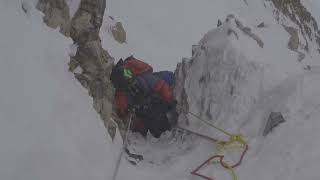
{"x": 172, "y": 105}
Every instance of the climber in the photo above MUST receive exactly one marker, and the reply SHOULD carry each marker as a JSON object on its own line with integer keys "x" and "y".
{"x": 146, "y": 92}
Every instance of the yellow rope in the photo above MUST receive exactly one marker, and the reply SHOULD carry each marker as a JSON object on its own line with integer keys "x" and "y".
{"x": 234, "y": 138}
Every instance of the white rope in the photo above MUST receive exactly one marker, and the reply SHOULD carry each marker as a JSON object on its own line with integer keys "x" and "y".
{"x": 125, "y": 144}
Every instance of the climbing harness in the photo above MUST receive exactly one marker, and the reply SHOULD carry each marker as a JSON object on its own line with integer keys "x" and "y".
{"x": 124, "y": 147}
{"x": 236, "y": 141}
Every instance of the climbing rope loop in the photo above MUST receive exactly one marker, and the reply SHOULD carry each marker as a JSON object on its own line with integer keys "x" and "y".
{"x": 235, "y": 142}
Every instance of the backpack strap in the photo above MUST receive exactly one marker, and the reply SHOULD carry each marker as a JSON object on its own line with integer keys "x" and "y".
{"x": 137, "y": 67}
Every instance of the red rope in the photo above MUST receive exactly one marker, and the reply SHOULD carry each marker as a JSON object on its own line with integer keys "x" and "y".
{"x": 223, "y": 164}
{"x": 239, "y": 162}
{"x": 195, "y": 171}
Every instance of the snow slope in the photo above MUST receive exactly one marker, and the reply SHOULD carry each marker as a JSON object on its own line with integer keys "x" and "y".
{"x": 48, "y": 128}
{"x": 286, "y": 154}
{"x": 161, "y": 32}
{"x": 290, "y": 152}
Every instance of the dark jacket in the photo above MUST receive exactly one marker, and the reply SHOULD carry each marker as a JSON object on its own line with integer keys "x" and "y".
{"x": 157, "y": 84}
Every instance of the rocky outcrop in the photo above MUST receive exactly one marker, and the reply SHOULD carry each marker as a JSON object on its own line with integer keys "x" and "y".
{"x": 56, "y": 14}
{"x": 293, "y": 43}
{"x": 180, "y": 89}
{"x": 261, "y": 25}
{"x": 214, "y": 82}
{"x": 275, "y": 118}
{"x": 247, "y": 31}
{"x": 94, "y": 62}
{"x": 298, "y": 14}
{"x": 118, "y": 32}
{"x": 86, "y": 23}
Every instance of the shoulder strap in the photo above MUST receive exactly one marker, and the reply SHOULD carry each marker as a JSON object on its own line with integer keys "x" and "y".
{"x": 137, "y": 66}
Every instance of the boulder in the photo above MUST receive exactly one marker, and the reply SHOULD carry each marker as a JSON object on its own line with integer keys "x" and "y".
{"x": 118, "y": 33}
{"x": 214, "y": 83}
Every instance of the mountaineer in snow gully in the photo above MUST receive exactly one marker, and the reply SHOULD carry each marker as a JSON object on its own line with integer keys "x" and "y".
{"x": 149, "y": 94}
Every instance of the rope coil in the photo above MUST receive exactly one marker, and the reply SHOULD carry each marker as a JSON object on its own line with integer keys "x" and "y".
{"x": 235, "y": 141}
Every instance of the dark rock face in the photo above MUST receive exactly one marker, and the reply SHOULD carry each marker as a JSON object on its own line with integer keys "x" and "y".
{"x": 118, "y": 33}
{"x": 261, "y": 25}
{"x": 297, "y": 13}
{"x": 86, "y": 23}
{"x": 213, "y": 84}
{"x": 247, "y": 31}
{"x": 95, "y": 62}
{"x": 293, "y": 43}
{"x": 179, "y": 89}
{"x": 275, "y": 118}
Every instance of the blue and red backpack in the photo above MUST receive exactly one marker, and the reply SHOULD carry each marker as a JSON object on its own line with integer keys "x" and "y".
{"x": 135, "y": 73}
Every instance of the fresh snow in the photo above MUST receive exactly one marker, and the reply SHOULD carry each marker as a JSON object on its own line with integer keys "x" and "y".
{"x": 162, "y": 32}
{"x": 49, "y": 130}
{"x": 287, "y": 153}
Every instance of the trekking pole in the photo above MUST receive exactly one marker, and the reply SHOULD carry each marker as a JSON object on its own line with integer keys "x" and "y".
{"x": 125, "y": 144}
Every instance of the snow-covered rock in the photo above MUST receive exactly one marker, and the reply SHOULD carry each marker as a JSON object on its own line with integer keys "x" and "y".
{"x": 115, "y": 29}
{"x": 238, "y": 74}
{"x": 299, "y": 15}
{"x": 219, "y": 82}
